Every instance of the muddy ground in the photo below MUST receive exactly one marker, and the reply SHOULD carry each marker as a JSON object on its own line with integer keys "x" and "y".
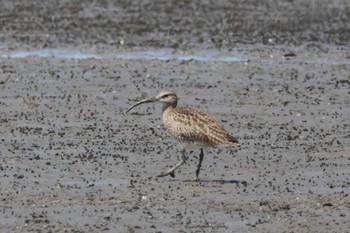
{"x": 70, "y": 161}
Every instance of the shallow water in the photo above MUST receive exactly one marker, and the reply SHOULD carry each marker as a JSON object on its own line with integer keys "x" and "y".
{"x": 134, "y": 54}
{"x": 245, "y": 54}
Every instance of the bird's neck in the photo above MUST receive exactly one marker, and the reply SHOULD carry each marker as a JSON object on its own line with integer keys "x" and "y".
{"x": 168, "y": 106}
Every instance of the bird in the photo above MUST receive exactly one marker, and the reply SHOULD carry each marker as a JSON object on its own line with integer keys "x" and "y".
{"x": 191, "y": 127}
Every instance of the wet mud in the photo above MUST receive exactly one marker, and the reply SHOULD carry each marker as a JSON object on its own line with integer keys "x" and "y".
{"x": 175, "y": 24}
{"x": 71, "y": 161}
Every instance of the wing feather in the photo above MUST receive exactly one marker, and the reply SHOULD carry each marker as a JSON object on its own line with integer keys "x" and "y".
{"x": 193, "y": 126}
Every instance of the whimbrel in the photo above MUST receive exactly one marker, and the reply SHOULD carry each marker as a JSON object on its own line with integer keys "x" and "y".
{"x": 193, "y": 128}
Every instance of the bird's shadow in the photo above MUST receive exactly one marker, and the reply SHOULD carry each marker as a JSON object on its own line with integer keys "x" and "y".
{"x": 205, "y": 181}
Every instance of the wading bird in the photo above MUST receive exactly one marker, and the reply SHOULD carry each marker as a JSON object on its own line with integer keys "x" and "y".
{"x": 193, "y": 128}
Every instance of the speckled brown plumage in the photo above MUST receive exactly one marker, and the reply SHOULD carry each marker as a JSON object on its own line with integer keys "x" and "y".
{"x": 197, "y": 128}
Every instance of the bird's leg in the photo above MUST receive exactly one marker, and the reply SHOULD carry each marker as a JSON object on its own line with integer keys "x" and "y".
{"x": 201, "y": 155}
{"x": 171, "y": 171}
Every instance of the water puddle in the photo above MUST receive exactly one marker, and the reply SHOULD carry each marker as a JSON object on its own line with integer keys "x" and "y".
{"x": 135, "y": 54}
{"x": 204, "y": 55}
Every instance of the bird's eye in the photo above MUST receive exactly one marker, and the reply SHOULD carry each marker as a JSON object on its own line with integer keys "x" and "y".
{"x": 165, "y": 96}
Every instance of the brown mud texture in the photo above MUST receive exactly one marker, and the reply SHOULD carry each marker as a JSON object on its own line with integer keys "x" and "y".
{"x": 71, "y": 161}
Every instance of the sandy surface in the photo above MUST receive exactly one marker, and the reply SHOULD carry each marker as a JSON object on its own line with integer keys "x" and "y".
{"x": 70, "y": 161}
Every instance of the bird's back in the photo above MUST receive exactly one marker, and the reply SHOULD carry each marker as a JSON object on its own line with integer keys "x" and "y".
{"x": 191, "y": 126}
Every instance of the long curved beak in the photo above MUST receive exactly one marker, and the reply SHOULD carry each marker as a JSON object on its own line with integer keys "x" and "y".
{"x": 149, "y": 100}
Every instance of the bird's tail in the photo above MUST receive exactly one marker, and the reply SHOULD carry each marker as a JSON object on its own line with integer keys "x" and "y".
{"x": 232, "y": 141}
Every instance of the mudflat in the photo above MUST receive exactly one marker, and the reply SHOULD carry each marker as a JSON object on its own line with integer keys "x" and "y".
{"x": 71, "y": 161}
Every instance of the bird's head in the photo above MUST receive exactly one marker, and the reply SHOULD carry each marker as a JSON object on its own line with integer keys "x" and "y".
{"x": 167, "y": 97}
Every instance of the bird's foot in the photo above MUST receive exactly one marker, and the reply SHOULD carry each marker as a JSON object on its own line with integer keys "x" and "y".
{"x": 193, "y": 180}
{"x": 163, "y": 174}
